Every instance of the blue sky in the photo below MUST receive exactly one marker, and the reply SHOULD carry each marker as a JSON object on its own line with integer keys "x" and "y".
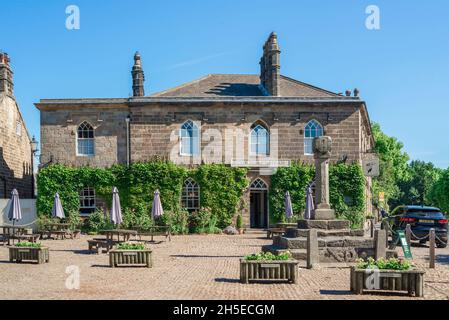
{"x": 402, "y": 70}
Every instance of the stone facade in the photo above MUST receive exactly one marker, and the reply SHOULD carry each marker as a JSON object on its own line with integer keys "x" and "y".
{"x": 15, "y": 143}
{"x": 223, "y": 107}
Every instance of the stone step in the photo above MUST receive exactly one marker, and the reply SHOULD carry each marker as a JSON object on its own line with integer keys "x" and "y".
{"x": 301, "y": 242}
{"x": 295, "y": 233}
{"x": 298, "y": 254}
{"x": 323, "y": 224}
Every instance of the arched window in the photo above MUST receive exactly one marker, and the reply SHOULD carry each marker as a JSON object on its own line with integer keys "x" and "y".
{"x": 85, "y": 139}
{"x": 312, "y": 130}
{"x": 190, "y": 198}
{"x": 258, "y": 184}
{"x": 260, "y": 140}
{"x": 190, "y": 142}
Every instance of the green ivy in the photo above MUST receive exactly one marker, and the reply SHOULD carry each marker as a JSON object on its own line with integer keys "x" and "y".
{"x": 221, "y": 189}
{"x": 346, "y": 191}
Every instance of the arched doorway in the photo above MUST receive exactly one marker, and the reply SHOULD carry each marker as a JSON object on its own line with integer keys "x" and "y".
{"x": 258, "y": 204}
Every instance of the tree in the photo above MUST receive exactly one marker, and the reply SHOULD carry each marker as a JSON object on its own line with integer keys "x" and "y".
{"x": 393, "y": 166}
{"x": 421, "y": 178}
{"x": 439, "y": 193}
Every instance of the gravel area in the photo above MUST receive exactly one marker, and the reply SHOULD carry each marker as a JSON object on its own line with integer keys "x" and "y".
{"x": 188, "y": 267}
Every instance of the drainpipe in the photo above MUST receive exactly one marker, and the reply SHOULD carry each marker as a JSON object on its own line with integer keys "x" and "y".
{"x": 128, "y": 153}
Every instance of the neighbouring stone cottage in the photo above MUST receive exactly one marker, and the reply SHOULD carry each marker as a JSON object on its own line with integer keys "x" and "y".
{"x": 16, "y": 159}
{"x": 256, "y": 121}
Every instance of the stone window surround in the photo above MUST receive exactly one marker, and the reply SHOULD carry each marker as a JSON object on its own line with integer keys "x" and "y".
{"x": 87, "y": 194}
{"x": 252, "y": 128}
{"x": 194, "y": 127}
{"x": 312, "y": 120}
{"x": 77, "y": 139}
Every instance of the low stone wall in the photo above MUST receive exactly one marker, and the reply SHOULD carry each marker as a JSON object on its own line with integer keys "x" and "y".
{"x": 29, "y": 213}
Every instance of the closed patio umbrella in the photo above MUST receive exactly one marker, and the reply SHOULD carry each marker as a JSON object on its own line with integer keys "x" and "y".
{"x": 288, "y": 206}
{"x": 15, "y": 213}
{"x": 58, "y": 211}
{"x": 116, "y": 211}
{"x": 308, "y": 212}
{"x": 156, "y": 210}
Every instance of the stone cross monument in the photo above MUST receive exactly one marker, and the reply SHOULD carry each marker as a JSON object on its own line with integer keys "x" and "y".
{"x": 322, "y": 147}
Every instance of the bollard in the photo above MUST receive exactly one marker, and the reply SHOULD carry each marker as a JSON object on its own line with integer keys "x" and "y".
{"x": 313, "y": 254}
{"x": 408, "y": 234}
{"x": 380, "y": 243}
{"x": 372, "y": 228}
{"x": 432, "y": 248}
{"x": 386, "y": 227}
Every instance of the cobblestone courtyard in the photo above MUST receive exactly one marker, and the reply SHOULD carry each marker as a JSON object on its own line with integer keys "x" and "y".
{"x": 188, "y": 267}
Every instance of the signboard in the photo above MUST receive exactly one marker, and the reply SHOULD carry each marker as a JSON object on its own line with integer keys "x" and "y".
{"x": 371, "y": 165}
{"x": 381, "y": 196}
{"x": 405, "y": 245}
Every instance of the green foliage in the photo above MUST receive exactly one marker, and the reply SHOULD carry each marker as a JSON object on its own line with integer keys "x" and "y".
{"x": 439, "y": 193}
{"x": 268, "y": 256}
{"x": 384, "y": 264}
{"x": 130, "y": 246}
{"x": 178, "y": 220}
{"x": 346, "y": 191}
{"x": 295, "y": 180}
{"x": 98, "y": 221}
{"x": 221, "y": 190}
{"x": 417, "y": 188}
{"x": 27, "y": 244}
{"x": 203, "y": 221}
{"x": 393, "y": 166}
{"x": 239, "y": 222}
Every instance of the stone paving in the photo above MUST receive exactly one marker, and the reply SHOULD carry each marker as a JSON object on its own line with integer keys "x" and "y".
{"x": 188, "y": 267}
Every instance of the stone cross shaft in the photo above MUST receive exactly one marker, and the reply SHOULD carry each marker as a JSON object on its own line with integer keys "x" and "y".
{"x": 322, "y": 147}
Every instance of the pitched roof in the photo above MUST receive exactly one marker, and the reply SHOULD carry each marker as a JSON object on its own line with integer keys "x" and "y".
{"x": 241, "y": 85}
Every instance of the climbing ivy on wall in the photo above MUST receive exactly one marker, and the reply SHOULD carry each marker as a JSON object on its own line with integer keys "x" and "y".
{"x": 221, "y": 187}
{"x": 346, "y": 190}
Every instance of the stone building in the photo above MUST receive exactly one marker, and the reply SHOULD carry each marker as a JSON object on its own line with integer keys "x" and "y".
{"x": 16, "y": 161}
{"x": 257, "y": 121}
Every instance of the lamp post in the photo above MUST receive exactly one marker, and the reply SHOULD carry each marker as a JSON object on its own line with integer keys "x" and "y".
{"x": 34, "y": 149}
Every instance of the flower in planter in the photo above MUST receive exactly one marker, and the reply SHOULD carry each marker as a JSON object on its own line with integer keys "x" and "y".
{"x": 384, "y": 264}
{"x": 268, "y": 256}
{"x": 131, "y": 246}
{"x": 26, "y": 244}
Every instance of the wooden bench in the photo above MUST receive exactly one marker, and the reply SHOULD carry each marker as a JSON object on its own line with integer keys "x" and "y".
{"x": 154, "y": 231}
{"x": 28, "y": 237}
{"x": 97, "y": 244}
{"x": 274, "y": 232}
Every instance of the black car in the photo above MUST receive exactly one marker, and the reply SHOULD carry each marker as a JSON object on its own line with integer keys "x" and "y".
{"x": 421, "y": 220}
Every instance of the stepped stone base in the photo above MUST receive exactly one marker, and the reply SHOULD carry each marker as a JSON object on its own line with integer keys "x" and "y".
{"x": 336, "y": 242}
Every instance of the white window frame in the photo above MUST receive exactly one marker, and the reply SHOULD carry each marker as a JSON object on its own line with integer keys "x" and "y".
{"x": 253, "y": 128}
{"x": 190, "y": 185}
{"x": 258, "y": 184}
{"x": 194, "y": 127}
{"x": 91, "y": 195}
{"x": 85, "y": 139}
{"x": 308, "y": 141}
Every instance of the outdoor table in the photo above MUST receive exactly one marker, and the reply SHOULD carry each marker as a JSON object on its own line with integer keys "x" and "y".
{"x": 126, "y": 234}
{"x": 154, "y": 231}
{"x": 10, "y": 232}
{"x": 57, "y": 228}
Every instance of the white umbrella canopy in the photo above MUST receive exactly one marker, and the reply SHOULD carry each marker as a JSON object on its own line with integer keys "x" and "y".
{"x": 288, "y": 206}
{"x": 310, "y": 207}
{"x": 156, "y": 210}
{"x": 15, "y": 212}
{"x": 116, "y": 211}
{"x": 58, "y": 211}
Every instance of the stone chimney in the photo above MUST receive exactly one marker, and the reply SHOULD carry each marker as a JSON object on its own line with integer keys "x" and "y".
{"x": 270, "y": 66}
{"x": 138, "y": 77}
{"x": 6, "y": 81}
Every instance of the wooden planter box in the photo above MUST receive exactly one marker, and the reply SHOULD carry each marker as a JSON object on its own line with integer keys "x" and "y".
{"x": 391, "y": 281}
{"x": 130, "y": 258}
{"x": 275, "y": 271}
{"x": 19, "y": 254}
